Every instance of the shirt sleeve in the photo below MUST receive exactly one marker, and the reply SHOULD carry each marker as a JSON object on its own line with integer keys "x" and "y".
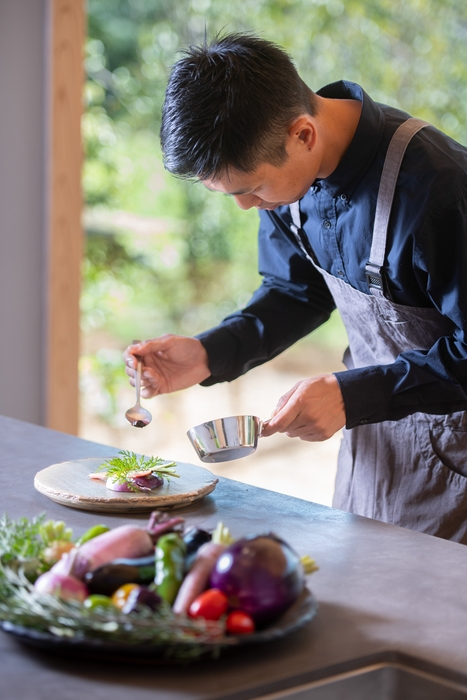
{"x": 434, "y": 380}
{"x": 292, "y": 301}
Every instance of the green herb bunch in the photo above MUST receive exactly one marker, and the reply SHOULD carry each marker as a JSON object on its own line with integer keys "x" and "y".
{"x": 21, "y": 539}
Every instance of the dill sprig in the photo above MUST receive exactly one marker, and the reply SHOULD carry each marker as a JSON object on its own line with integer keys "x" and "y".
{"x": 120, "y": 468}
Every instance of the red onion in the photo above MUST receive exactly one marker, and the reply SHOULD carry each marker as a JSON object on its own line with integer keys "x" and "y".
{"x": 260, "y": 575}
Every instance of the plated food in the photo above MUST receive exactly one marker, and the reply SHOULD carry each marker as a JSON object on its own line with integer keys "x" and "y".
{"x": 175, "y": 590}
{"x": 128, "y": 473}
{"x": 68, "y": 483}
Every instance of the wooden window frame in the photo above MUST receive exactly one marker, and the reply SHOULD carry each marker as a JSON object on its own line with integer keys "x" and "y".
{"x": 67, "y": 26}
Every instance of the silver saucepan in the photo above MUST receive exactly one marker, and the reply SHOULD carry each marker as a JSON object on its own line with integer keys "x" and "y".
{"x": 224, "y": 439}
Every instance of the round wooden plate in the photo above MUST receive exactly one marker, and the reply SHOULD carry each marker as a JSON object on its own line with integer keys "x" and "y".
{"x": 68, "y": 483}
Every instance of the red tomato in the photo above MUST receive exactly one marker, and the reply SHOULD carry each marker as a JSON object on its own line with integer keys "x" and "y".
{"x": 210, "y": 604}
{"x": 239, "y": 622}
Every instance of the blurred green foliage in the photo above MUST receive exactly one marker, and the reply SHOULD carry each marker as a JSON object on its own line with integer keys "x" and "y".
{"x": 183, "y": 257}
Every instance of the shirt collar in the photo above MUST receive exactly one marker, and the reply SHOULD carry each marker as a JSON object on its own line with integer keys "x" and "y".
{"x": 364, "y": 144}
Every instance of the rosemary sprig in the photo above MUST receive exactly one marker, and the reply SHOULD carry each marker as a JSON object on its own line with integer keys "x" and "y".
{"x": 177, "y": 636}
{"x": 20, "y": 604}
{"x": 120, "y": 468}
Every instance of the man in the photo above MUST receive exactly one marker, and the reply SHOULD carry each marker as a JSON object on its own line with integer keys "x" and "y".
{"x": 238, "y": 117}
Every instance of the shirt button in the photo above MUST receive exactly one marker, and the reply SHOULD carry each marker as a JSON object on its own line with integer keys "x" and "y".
{"x": 344, "y": 197}
{"x": 326, "y": 223}
{"x": 340, "y": 272}
{"x": 363, "y": 421}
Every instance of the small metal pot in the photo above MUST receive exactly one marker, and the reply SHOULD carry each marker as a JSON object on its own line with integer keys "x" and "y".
{"x": 224, "y": 439}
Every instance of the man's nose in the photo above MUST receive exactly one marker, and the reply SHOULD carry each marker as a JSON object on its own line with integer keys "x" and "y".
{"x": 247, "y": 201}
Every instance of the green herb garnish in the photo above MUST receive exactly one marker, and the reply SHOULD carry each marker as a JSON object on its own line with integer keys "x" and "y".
{"x": 120, "y": 469}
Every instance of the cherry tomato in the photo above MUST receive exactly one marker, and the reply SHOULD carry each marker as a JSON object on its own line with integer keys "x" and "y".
{"x": 210, "y": 604}
{"x": 239, "y": 622}
{"x": 120, "y": 596}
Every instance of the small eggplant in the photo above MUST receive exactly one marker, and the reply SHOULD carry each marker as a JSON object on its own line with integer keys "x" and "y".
{"x": 107, "y": 578}
{"x": 194, "y": 539}
{"x": 261, "y": 575}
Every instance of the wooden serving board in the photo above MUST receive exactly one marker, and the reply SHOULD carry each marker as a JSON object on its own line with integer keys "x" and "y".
{"x": 68, "y": 483}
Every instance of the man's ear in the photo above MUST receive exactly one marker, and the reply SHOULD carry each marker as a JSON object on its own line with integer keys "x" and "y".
{"x": 303, "y": 130}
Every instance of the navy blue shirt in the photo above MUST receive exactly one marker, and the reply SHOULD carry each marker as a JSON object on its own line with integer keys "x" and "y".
{"x": 426, "y": 259}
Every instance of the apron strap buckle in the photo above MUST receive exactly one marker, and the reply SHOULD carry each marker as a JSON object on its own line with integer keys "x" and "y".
{"x": 376, "y": 281}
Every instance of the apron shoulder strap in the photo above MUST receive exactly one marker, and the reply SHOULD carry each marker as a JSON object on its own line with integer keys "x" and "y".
{"x": 391, "y": 168}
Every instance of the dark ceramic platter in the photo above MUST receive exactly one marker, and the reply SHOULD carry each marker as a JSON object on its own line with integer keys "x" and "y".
{"x": 302, "y": 611}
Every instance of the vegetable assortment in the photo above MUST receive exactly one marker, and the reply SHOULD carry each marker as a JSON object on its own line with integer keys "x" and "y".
{"x": 160, "y": 583}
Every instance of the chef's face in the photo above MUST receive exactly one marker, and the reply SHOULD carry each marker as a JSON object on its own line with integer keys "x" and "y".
{"x": 267, "y": 187}
{"x": 270, "y": 186}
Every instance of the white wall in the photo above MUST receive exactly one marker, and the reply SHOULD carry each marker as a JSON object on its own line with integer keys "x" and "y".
{"x": 23, "y": 104}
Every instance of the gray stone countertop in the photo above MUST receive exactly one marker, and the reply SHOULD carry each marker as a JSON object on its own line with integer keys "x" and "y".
{"x": 379, "y": 588}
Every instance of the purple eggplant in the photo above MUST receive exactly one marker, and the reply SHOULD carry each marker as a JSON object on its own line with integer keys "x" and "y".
{"x": 261, "y": 575}
{"x": 194, "y": 539}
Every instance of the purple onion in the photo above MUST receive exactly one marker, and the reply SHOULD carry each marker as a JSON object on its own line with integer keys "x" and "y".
{"x": 115, "y": 486}
{"x": 261, "y": 575}
{"x": 140, "y": 483}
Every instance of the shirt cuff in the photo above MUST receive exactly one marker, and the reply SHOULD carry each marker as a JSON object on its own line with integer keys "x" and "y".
{"x": 220, "y": 346}
{"x": 365, "y": 395}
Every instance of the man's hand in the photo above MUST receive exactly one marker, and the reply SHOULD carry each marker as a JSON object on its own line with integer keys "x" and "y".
{"x": 312, "y": 410}
{"x": 170, "y": 363}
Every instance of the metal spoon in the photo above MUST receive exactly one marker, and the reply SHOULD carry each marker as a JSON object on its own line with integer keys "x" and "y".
{"x": 138, "y": 416}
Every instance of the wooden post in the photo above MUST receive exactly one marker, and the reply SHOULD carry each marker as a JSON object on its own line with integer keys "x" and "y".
{"x": 65, "y": 237}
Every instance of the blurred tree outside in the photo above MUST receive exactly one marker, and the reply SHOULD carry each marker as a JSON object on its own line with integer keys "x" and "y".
{"x": 163, "y": 255}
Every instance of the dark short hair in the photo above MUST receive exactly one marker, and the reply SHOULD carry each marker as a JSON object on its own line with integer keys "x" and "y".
{"x": 228, "y": 104}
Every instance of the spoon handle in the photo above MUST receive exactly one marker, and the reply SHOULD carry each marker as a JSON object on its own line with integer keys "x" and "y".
{"x": 137, "y": 375}
{"x": 138, "y": 380}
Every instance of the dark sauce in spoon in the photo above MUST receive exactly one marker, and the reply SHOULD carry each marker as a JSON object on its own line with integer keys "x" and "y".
{"x": 140, "y": 423}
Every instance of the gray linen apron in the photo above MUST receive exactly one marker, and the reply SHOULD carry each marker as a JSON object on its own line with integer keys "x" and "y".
{"x": 411, "y": 472}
